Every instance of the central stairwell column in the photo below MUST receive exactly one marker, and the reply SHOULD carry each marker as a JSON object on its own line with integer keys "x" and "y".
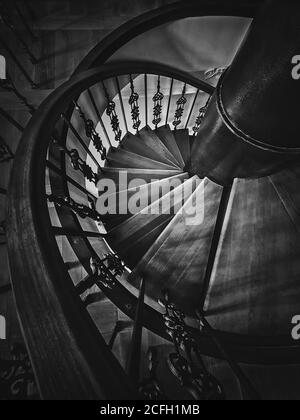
{"x": 252, "y": 124}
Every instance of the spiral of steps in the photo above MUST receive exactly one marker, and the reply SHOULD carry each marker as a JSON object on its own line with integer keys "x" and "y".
{"x": 159, "y": 245}
{"x": 113, "y": 233}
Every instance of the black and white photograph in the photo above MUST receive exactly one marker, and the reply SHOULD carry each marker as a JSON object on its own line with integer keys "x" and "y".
{"x": 149, "y": 203}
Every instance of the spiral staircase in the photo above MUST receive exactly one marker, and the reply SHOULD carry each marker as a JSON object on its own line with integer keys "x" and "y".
{"x": 189, "y": 293}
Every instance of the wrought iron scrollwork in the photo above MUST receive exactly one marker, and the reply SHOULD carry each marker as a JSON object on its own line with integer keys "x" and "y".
{"x": 180, "y": 108}
{"x": 157, "y": 110}
{"x": 150, "y": 388}
{"x": 17, "y": 380}
{"x": 135, "y": 109}
{"x": 107, "y": 269}
{"x": 80, "y": 209}
{"x": 115, "y": 264}
{"x": 5, "y": 153}
{"x": 91, "y": 132}
{"x": 200, "y": 118}
{"x": 8, "y": 85}
{"x": 78, "y": 163}
{"x": 186, "y": 362}
{"x": 111, "y": 112}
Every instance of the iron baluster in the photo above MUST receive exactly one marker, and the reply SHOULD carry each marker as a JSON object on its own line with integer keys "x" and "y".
{"x": 200, "y": 118}
{"x": 192, "y": 109}
{"x": 78, "y": 163}
{"x": 186, "y": 363}
{"x": 92, "y": 99}
{"x": 70, "y": 180}
{"x": 135, "y": 109}
{"x": 169, "y": 101}
{"x": 80, "y": 140}
{"x": 106, "y": 270}
{"x": 150, "y": 388}
{"x": 111, "y": 112}
{"x": 115, "y": 264}
{"x": 157, "y": 110}
{"x": 146, "y": 99}
{"x": 8, "y": 85}
{"x": 122, "y": 104}
{"x": 5, "y": 153}
{"x": 180, "y": 108}
{"x": 5, "y": 19}
{"x": 79, "y": 209}
{"x": 91, "y": 132}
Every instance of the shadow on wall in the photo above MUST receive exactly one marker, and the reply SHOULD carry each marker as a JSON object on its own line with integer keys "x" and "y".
{"x": 193, "y": 45}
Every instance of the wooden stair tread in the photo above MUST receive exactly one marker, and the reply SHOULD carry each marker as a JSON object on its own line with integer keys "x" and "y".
{"x": 183, "y": 141}
{"x": 167, "y": 137}
{"x": 138, "y": 145}
{"x": 178, "y": 259}
{"x": 253, "y": 289}
{"x": 121, "y": 158}
{"x": 144, "y": 193}
{"x": 148, "y": 219}
{"x": 135, "y": 251}
{"x": 149, "y": 137}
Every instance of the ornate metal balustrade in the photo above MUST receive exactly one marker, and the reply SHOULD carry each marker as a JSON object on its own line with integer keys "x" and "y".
{"x": 186, "y": 362}
{"x": 91, "y": 133}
